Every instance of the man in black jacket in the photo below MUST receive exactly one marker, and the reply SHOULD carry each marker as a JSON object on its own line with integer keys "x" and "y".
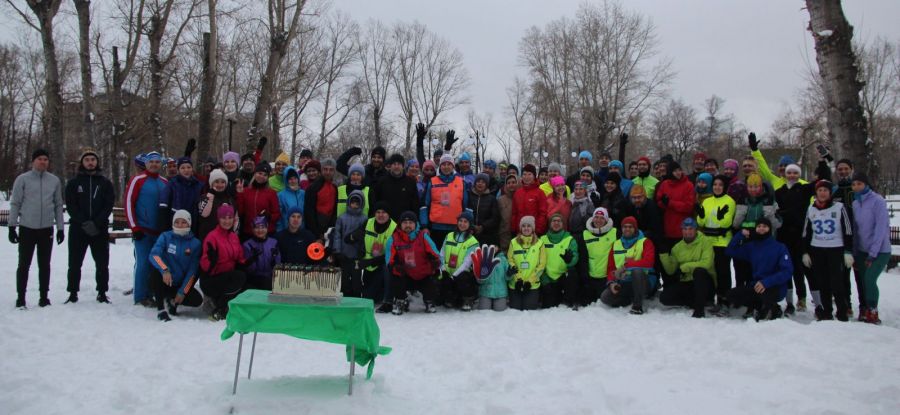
{"x": 89, "y": 200}
{"x": 484, "y": 206}
{"x": 396, "y": 189}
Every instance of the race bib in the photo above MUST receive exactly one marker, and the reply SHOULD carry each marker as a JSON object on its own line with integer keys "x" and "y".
{"x": 524, "y": 265}
{"x": 445, "y": 198}
{"x": 409, "y": 258}
{"x": 452, "y": 262}
{"x": 377, "y": 248}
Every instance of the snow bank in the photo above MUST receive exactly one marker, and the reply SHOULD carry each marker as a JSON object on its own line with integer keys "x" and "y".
{"x": 112, "y": 359}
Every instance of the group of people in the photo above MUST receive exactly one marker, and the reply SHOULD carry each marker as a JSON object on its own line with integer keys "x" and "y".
{"x": 399, "y": 226}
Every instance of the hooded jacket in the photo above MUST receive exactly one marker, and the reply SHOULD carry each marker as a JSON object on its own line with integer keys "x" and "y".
{"x": 769, "y": 258}
{"x": 486, "y": 210}
{"x": 680, "y": 193}
{"x": 228, "y": 247}
{"x": 254, "y": 200}
{"x": 529, "y": 200}
{"x": 288, "y": 198}
{"x": 415, "y": 250}
{"x": 347, "y": 224}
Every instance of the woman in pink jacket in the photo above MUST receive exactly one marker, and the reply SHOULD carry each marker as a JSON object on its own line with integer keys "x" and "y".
{"x": 220, "y": 279}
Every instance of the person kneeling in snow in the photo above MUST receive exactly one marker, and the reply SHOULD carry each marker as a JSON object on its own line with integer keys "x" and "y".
{"x": 559, "y": 281}
{"x": 413, "y": 260}
{"x": 772, "y": 270}
{"x": 456, "y": 280}
{"x": 629, "y": 269}
{"x": 528, "y": 260}
{"x": 265, "y": 250}
{"x": 175, "y": 258}
{"x": 492, "y": 290}
{"x": 220, "y": 279}
{"x": 691, "y": 261}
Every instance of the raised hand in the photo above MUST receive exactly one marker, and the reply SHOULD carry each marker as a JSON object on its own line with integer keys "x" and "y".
{"x": 751, "y": 140}
{"x": 421, "y": 131}
{"x": 450, "y": 140}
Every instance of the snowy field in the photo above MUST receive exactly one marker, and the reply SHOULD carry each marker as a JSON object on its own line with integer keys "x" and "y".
{"x": 112, "y": 359}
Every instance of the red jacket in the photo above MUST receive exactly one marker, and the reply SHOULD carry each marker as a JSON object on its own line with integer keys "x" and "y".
{"x": 647, "y": 260}
{"x": 681, "y": 204}
{"x": 254, "y": 200}
{"x": 418, "y": 255}
{"x": 228, "y": 246}
{"x": 529, "y": 200}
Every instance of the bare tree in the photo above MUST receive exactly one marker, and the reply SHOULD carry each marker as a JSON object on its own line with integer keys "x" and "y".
{"x": 377, "y": 54}
{"x": 409, "y": 39}
{"x": 443, "y": 80}
{"x": 339, "y": 96}
{"x": 83, "y": 10}
{"x": 521, "y": 108}
{"x": 208, "y": 89}
{"x": 675, "y": 129}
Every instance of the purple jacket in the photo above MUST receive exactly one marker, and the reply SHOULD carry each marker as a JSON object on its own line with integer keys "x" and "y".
{"x": 871, "y": 230}
{"x": 268, "y": 257}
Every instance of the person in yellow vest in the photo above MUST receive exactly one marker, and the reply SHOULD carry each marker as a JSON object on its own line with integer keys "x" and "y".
{"x": 691, "y": 261}
{"x": 715, "y": 216}
{"x": 554, "y": 170}
{"x": 446, "y": 196}
{"x": 355, "y": 182}
{"x": 558, "y": 281}
{"x": 457, "y": 284}
{"x": 375, "y": 234}
{"x": 527, "y": 260}
{"x": 644, "y": 178}
{"x": 598, "y": 236}
{"x": 629, "y": 269}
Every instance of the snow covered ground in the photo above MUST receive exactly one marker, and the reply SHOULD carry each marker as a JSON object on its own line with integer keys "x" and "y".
{"x": 111, "y": 359}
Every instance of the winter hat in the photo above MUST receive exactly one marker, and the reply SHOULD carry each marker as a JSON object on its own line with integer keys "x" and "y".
{"x": 764, "y": 221}
{"x": 673, "y": 165}
{"x": 730, "y": 163}
{"x": 328, "y": 162}
{"x": 263, "y": 167}
{"x": 554, "y": 166}
{"x": 380, "y": 205}
{"x": 289, "y": 172}
{"x": 699, "y": 156}
{"x": 379, "y": 150}
{"x": 39, "y": 152}
{"x": 412, "y": 162}
{"x": 601, "y": 211}
{"x": 579, "y": 183}
{"x": 217, "y": 174}
{"x": 283, "y": 158}
{"x": 140, "y": 160}
{"x": 87, "y": 152}
{"x": 306, "y": 153}
{"x": 584, "y": 154}
{"x": 491, "y": 164}
{"x": 557, "y": 181}
{"x": 688, "y": 223}
{"x": 754, "y": 180}
{"x": 358, "y": 195}
{"x": 181, "y": 214}
{"x": 792, "y": 167}
{"x": 312, "y": 164}
{"x": 184, "y": 160}
{"x": 231, "y": 156}
{"x": 224, "y": 211}
{"x": 645, "y": 159}
{"x": 483, "y": 177}
{"x": 824, "y": 183}
{"x": 246, "y": 157}
{"x": 629, "y": 220}
{"x": 588, "y": 169}
{"x": 618, "y": 164}
{"x": 511, "y": 176}
{"x": 408, "y": 216}
{"x": 429, "y": 163}
{"x": 785, "y": 160}
{"x": 526, "y": 220}
{"x": 356, "y": 168}
{"x": 503, "y": 165}
{"x": 530, "y": 168}
{"x": 261, "y": 221}
{"x": 294, "y": 209}
{"x": 446, "y": 158}
{"x": 636, "y": 190}
{"x": 861, "y": 177}
{"x": 465, "y": 156}
{"x": 512, "y": 167}
{"x": 396, "y": 158}
{"x": 467, "y": 215}
{"x": 170, "y": 160}
{"x": 614, "y": 177}
{"x": 151, "y": 156}
{"x": 706, "y": 178}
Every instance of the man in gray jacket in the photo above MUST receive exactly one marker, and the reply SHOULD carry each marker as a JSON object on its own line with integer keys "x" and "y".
{"x": 36, "y": 205}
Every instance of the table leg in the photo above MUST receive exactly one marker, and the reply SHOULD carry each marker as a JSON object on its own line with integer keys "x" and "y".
{"x": 237, "y": 366}
{"x": 352, "y": 367}
{"x": 252, "y": 353}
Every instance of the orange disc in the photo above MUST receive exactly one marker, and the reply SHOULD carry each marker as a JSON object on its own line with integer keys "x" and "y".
{"x": 315, "y": 251}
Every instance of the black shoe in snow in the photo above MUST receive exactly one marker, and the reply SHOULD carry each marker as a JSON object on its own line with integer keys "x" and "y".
{"x": 171, "y": 307}
{"x": 102, "y": 298}
{"x": 748, "y": 314}
{"x": 73, "y": 298}
{"x": 43, "y": 302}
{"x": 776, "y": 312}
{"x": 638, "y": 310}
{"x": 822, "y": 315}
{"x": 698, "y": 313}
{"x": 430, "y": 308}
{"x": 385, "y": 308}
{"x": 20, "y": 303}
{"x": 163, "y": 316}
{"x": 397, "y": 308}
{"x": 789, "y": 310}
{"x": 147, "y": 302}
{"x": 128, "y": 292}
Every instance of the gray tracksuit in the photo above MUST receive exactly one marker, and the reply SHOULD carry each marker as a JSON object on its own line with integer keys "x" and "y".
{"x": 37, "y": 201}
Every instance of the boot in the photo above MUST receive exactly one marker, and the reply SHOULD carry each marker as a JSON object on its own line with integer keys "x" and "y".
{"x": 397, "y": 308}
{"x": 171, "y": 307}
{"x": 73, "y": 298}
{"x": 430, "y": 308}
{"x": 44, "y": 301}
{"x": 862, "y": 314}
{"x": 822, "y": 315}
{"x": 637, "y": 310}
{"x": 102, "y": 298}
{"x": 163, "y": 316}
{"x": 789, "y": 310}
{"x": 385, "y": 307}
{"x": 698, "y": 313}
{"x": 872, "y": 317}
{"x": 801, "y": 304}
{"x": 20, "y": 303}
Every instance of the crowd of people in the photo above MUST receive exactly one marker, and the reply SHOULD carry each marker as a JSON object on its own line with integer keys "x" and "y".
{"x": 401, "y": 226}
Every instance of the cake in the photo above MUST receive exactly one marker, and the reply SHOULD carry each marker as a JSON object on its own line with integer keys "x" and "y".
{"x": 305, "y": 284}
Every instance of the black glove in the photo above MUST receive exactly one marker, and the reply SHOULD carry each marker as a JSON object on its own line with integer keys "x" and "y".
{"x": 722, "y": 211}
{"x": 451, "y": 139}
{"x": 699, "y": 210}
{"x": 519, "y": 285}
{"x": 436, "y": 263}
{"x": 512, "y": 271}
{"x": 137, "y": 235}
{"x": 212, "y": 255}
{"x": 353, "y": 152}
{"x": 526, "y": 286}
{"x": 190, "y": 147}
{"x": 60, "y": 236}
{"x": 754, "y": 144}
{"x": 261, "y": 144}
{"x": 253, "y": 256}
{"x": 355, "y": 236}
{"x": 665, "y": 200}
{"x": 595, "y": 199}
{"x": 89, "y": 228}
{"x": 13, "y": 235}
{"x": 421, "y": 132}
{"x": 445, "y": 274}
{"x": 623, "y": 139}
{"x": 566, "y": 256}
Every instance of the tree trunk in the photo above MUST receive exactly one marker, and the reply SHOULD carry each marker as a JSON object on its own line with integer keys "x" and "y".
{"x": 45, "y": 12}
{"x": 208, "y": 88}
{"x": 83, "y": 9}
{"x": 837, "y": 67}
{"x": 376, "y": 116}
{"x": 154, "y": 36}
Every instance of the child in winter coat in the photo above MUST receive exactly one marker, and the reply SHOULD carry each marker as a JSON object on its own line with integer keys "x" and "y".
{"x": 175, "y": 258}
{"x": 413, "y": 260}
{"x": 291, "y": 196}
{"x": 492, "y": 290}
{"x": 456, "y": 280}
{"x": 265, "y": 251}
{"x": 347, "y": 240}
{"x": 529, "y": 258}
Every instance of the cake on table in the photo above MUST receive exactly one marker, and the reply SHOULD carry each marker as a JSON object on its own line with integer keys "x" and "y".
{"x": 293, "y": 283}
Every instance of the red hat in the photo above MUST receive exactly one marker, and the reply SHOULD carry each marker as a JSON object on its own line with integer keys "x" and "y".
{"x": 699, "y": 155}
{"x": 312, "y": 164}
{"x": 645, "y": 158}
{"x": 631, "y": 220}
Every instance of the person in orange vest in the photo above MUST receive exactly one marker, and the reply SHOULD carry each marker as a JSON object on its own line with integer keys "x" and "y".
{"x": 446, "y": 196}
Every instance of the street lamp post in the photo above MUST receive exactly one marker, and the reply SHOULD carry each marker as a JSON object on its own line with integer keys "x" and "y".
{"x": 230, "y": 125}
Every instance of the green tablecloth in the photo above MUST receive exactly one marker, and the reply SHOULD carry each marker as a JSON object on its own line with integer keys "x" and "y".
{"x": 351, "y": 323}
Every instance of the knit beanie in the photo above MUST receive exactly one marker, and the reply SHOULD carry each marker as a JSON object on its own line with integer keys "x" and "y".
{"x": 231, "y": 156}
{"x": 356, "y": 168}
{"x": 786, "y": 160}
{"x": 629, "y": 220}
{"x": 792, "y": 167}
{"x": 530, "y": 168}
{"x": 379, "y": 150}
{"x": 557, "y": 181}
{"x": 38, "y": 153}
{"x": 618, "y": 164}
{"x": 312, "y": 164}
{"x": 601, "y": 211}
{"x": 446, "y": 158}
{"x": 224, "y": 211}
{"x": 483, "y": 177}
{"x": 429, "y": 163}
{"x": 584, "y": 154}
{"x": 754, "y": 180}
{"x": 396, "y": 158}
{"x": 181, "y": 214}
{"x": 554, "y": 167}
{"x": 730, "y": 163}
{"x": 217, "y": 174}
{"x": 283, "y": 158}
{"x": 526, "y": 220}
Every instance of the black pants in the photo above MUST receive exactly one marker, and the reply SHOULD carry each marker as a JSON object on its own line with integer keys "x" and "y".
{"x": 828, "y": 266}
{"x": 438, "y": 237}
{"x": 743, "y": 273}
{"x": 795, "y": 248}
{"x": 723, "y": 272}
{"x": 689, "y": 293}
{"x": 630, "y": 292}
{"x": 258, "y": 282}
{"x": 454, "y": 291}
{"x": 860, "y": 287}
{"x": 162, "y": 291}
{"x": 590, "y": 290}
{"x": 351, "y": 278}
{"x": 221, "y": 288}
{"x": 426, "y": 286}
{"x": 29, "y": 239}
{"x": 79, "y": 242}
{"x": 563, "y": 290}
{"x": 746, "y": 296}
{"x": 524, "y": 299}
{"x": 666, "y": 245}
{"x": 373, "y": 284}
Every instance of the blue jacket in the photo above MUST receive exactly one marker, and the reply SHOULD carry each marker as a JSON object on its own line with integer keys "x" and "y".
{"x": 181, "y": 193}
{"x": 269, "y": 256}
{"x": 180, "y": 255}
{"x": 287, "y": 199}
{"x": 142, "y": 202}
{"x": 770, "y": 259}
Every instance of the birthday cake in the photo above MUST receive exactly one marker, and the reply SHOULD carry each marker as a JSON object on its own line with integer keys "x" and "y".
{"x": 305, "y": 284}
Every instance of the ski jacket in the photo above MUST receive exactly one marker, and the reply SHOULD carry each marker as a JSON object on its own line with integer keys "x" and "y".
{"x": 529, "y": 200}
{"x": 769, "y": 258}
{"x": 142, "y": 202}
{"x": 686, "y": 257}
{"x": 180, "y": 255}
{"x": 872, "y": 224}
{"x": 680, "y": 193}
{"x": 229, "y": 249}
{"x": 412, "y": 254}
{"x": 269, "y": 256}
{"x": 255, "y": 200}
{"x": 90, "y": 197}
